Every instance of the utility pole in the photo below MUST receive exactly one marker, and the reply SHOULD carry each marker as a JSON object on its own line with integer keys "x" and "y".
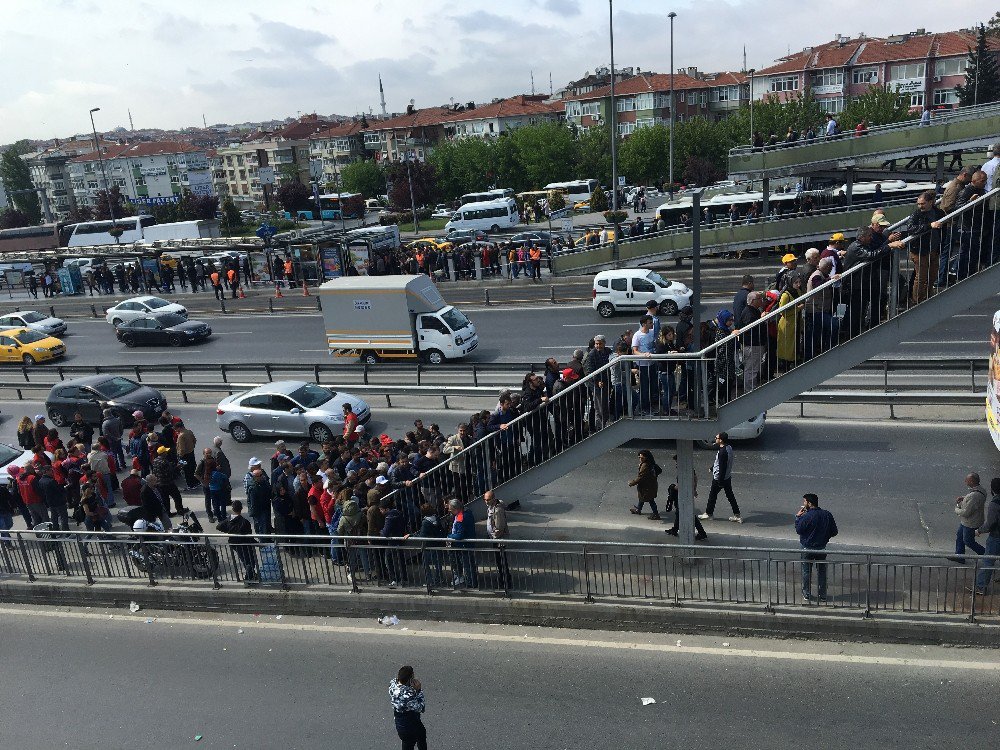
{"x": 413, "y": 202}
{"x": 614, "y": 129}
{"x": 672, "y": 16}
{"x": 104, "y": 174}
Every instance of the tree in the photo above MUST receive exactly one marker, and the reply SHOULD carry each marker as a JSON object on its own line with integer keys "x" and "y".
{"x": 16, "y": 177}
{"x": 122, "y": 208}
{"x": 879, "y": 105}
{"x": 365, "y": 177}
{"x": 598, "y": 200}
{"x": 701, "y": 171}
{"x": 294, "y": 196}
{"x": 557, "y": 200}
{"x": 644, "y": 156}
{"x": 288, "y": 173}
{"x": 546, "y": 152}
{"x": 506, "y": 165}
{"x": 231, "y": 219}
{"x": 462, "y": 166}
{"x": 12, "y": 218}
{"x": 424, "y": 184}
{"x": 982, "y": 77}
{"x": 594, "y": 154}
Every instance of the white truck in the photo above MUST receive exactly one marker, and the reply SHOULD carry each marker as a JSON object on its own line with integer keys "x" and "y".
{"x": 393, "y": 317}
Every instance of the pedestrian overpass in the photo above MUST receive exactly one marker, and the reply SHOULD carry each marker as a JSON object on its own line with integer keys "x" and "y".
{"x": 568, "y": 430}
{"x": 963, "y": 129}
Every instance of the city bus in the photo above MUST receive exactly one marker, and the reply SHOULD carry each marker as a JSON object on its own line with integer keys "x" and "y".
{"x": 993, "y": 387}
{"x": 26, "y": 239}
{"x": 486, "y": 195}
{"x": 330, "y": 203}
{"x": 576, "y": 191}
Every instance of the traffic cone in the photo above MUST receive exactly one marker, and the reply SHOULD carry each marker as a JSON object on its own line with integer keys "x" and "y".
{"x": 305, "y": 289}
{"x": 240, "y": 293}
{"x": 277, "y": 291}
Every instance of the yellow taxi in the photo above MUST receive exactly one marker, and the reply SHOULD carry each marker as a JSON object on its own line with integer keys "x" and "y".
{"x": 582, "y": 205}
{"x": 168, "y": 261}
{"x": 26, "y": 347}
{"x": 428, "y": 243}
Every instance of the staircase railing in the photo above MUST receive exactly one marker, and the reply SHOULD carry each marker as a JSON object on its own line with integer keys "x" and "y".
{"x": 877, "y": 286}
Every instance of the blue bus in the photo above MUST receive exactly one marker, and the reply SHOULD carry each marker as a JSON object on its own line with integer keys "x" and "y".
{"x": 330, "y": 206}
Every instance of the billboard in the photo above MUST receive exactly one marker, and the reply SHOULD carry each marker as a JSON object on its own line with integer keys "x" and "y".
{"x": 993, "y": 387}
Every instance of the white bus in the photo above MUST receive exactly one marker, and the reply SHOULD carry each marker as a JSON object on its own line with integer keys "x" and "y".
{"x": 575, "y": 190}
{"x": 491, "y": 216}
{"x": 487, "y": 195}
{"x": 99, "y": 232}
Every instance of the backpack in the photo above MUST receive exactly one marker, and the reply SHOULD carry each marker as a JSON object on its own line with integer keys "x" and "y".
{"x": 657, "y": 469}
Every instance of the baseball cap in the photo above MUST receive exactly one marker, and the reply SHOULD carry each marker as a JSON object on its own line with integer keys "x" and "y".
{"x": 137, "y": 414}
{"x": 879, "y": 218}
{"x": 39, "y": 416}
{"x": 788, "y": 258}
{"x": 162, "y": 449}
{"x": 381, "y": 480}
{"x": 254, "y": 462}
{"x": 279, "y": 443}
{"x": 837, "y": 237}
{"x": 569, "y": 374}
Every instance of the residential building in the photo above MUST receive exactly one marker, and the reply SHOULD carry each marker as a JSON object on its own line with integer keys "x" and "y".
{"x": 923, "y": 67}
{"x": 644, "y": 100}
{"x": 50, "y": 172}
{"x": 600, "y": 78}
{"x": 288, "y": 160}
{"x": 147, "y": 174}
{"x": 500, "y": 116}
{"x": 220, "y": 184}
{"x": 332, "y": 149}
{"x": 411, "y": 134}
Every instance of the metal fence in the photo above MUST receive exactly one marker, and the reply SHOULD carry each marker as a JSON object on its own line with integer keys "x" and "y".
{"x": 767, "y": 578}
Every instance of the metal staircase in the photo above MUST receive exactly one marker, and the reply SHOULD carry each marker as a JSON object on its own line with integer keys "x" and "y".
{"x": 874, "y": 304}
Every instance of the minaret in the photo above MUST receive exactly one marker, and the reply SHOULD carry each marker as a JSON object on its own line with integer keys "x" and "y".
{"x": 381, "y": 96}
{"x": 130, "y": 125}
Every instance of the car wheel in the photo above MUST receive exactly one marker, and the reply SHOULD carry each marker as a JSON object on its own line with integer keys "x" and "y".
{"x": 434, "y": 357}
{"x": 605, "y": 309}
{"x": 668, "y": 307}
{"x": 28, "y": 360}
{"x": 320, "y": 433}
{"x": 240, "y": 432}
{"x": 494, "y": 228}
{"x": 116, "y": 322}
{"x": 176, "y": 341}
{"x": 58, "y": 418}
{"x": 369, "y": 358}
{"x": 129, "y": 340}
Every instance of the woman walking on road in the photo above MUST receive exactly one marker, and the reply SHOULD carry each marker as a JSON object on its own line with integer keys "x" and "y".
{"x": 646, "y": 485}
{"x": 407, "y": 698}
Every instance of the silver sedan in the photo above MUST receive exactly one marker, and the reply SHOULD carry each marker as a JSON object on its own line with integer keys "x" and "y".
{"x": 288, "y": 407}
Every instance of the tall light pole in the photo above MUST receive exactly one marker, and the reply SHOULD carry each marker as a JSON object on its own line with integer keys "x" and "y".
{"x": 751, "y": 71}
{"x": 614, "y": 130}
{"x": 671, "y": 16}
{"x": 104, "y": 174}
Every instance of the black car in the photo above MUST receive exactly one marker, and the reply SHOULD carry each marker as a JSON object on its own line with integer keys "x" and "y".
{"x": 541, "y": 239}
{"x": 461, "y": 236}
{"x": 92, "y": 394}
{"x": 162, "y": 330}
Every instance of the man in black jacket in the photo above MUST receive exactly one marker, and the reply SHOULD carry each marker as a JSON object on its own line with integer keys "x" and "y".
{"x": 753, "y": 340}
{"x": 154, "y": 502}
{"x": 54, "y": 497}
{"x": 923, "y": 240}
{"x": 241, "y": 540}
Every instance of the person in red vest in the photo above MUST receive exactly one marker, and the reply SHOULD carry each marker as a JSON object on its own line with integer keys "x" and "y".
{"x": 350, "y": 425}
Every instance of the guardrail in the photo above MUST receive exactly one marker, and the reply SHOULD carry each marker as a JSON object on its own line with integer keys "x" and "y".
{"x": 866, "y": 584}
{"x": 79, "y": 306}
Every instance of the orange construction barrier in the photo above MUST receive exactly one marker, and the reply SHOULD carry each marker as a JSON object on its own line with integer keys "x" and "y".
{"x": 241, "y": 294}
{"x": 277, "y": 291}
{"x": 305, "y": 289}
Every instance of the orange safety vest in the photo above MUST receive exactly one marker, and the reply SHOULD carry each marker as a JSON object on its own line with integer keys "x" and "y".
{"x": 230, "y": 274}
{"x": 288, "y": 268}
{"x": 215, "y": 278}
{"x": 535, "y": 254}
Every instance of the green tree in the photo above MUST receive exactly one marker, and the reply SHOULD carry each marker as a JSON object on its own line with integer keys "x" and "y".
{"x": 12, "y": 218}
{"x": 644, "y": 157}
{"x": 594, "y": 154}
{"x": 506, "y": 165}
{"x": 547, "y": 153}
{"x": 365, "y": 177}
{"x": 557, "y": 201}
{"x": 102, "y": 212}
{"x": 705, "y": 141}
{"x": 294, "y": 196}
{"x": 288, "y": 173}
{"x": 982, "y": 77}
{"x": 424, "y": 184}
{"x": 879, "y": 105}
{"x": 16, "y": 177}
{"x": 598, "y": 200}
{"x": 462, "y": 166}
{"x": 231, "y": 219}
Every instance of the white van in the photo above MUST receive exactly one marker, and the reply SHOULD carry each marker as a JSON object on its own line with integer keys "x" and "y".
{"x": 629, "y": 289}
{"x": 576, "y": 191}
{"x": 89, "y": 233}
{"x": 490, "y": 216}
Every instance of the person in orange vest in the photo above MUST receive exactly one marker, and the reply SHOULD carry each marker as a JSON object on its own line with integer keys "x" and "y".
{"x": 234, "y": 280}
{"x": 535, "y": 256}
{"x": 289, "y": 274}
{"x": 216, "y": 280}
{"x": 420, "y": 261}
{"x": 351, "y": 434}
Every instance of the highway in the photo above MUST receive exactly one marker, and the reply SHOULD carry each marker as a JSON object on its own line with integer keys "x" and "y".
{"x": 104, "y": 678}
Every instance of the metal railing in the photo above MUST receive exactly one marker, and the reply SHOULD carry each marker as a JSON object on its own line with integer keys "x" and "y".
{"x": 680, "y": 386}
{"x": 864, "y": 583}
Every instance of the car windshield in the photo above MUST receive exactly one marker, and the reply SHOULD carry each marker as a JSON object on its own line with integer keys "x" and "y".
{"x": 155, "y": 303}
{"x": 31, "y": 337}
{"x": 115, "y": 387}
{"x": 310, "y": 395}
{"x": 657, "y": 279}
{"x": 32, "y": 317}
{"x": 8, "y": 453}
{"x": 170, "y": 319}
{"x": 456, "y": 321}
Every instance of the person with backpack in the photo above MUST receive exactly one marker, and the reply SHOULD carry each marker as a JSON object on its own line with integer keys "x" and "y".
{"x": 815, "y": 527}
{"x": 646, "y": 485}
{"x": 991, "y": 526}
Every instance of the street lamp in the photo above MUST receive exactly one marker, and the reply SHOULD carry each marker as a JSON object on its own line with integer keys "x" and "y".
{"x": 672, "y": 16}
{"x": 104, "y": 174}
{"x": 751, "y": 71}
{"x": 614, "y": 133}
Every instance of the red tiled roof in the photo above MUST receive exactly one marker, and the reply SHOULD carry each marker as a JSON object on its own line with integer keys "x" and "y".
{"x": 829, "y": 55}
{"x": 416, "y": 119}
{"x": 948, "y": 44}
{"x": 138, "y": 150}
{"x": 642, "y": 84}
{"x": 301, "y": 128}
{"x": 340, "y": 130}
{"x": 515, "y": 106}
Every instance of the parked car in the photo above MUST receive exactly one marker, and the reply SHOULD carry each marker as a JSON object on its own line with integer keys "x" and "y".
{"x": 92, "y": 394}
{"x": 441, "y": 211}
{"x": 140, "y": 307}
{"x": 629, "y": 289}
{"x": 288, "y": 407}
{"x": 26, "y": 347}
{"x": 542, "y": 239}
{"x": 162, "y": 330}
{"x": 11, "y": 455}
{"x": 752, "y": 429}
{"x": 34, "y": 320}
{"x": 460, "y": 236}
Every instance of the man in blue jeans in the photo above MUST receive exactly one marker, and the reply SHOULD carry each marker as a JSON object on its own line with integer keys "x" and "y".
{"x": 971, "y": 511}
{"x": 991, "y": 526}
{"x": 642, "y": 346}
{"x": 815, "y": 527}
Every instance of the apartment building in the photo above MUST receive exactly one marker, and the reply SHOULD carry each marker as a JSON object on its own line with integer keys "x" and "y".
{"x": 332, "y": 149}
{"x": 412, "y": 134}
{"x": 147, "y": 174}
{"x": 50, "y": 172}
{"x": 923, "y": 67}
{"x": 501, "y": 116}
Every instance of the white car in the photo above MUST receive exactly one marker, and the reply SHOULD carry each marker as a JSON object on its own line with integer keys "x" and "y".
{"x": 142, "y": 307}
{"x": 441, "y": 211}
{"x": 629, "y": 289}
{"x": 36, "y": 321}
{"x": 752, "y": 429}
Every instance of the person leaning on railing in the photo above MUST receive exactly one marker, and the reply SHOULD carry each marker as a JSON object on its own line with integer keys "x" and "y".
{"x": 923, "y": 242}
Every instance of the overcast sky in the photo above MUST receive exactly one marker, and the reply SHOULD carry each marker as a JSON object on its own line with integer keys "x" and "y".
{"x": 259, "y": 59}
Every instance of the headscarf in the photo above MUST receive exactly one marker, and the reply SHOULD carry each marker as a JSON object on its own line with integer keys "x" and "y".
{"x": 723, "y": 318}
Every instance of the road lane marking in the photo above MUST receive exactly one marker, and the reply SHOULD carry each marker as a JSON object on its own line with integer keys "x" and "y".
{"x": 493, "y": 638}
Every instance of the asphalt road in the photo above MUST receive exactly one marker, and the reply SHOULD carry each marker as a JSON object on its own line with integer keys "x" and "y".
{"x": 102, "y": 678}
{"x": 889, "y": 483}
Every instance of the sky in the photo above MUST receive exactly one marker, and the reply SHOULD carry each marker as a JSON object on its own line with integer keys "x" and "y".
{"x": 171, "y": 63}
